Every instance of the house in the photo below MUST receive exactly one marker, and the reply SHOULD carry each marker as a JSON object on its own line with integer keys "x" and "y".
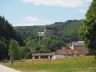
{"x": 40, "y": 33}
{"x": 57, "y": 55}
{"x": 43, "y": 55}
{"x": 66, "y": 53}
{"x": 79, "y": 45}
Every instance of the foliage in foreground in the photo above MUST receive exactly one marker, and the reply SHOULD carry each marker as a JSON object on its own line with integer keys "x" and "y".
{"x": 78, "y": 64}
{"x": 13, "y": 50}
{"x": 88, "y": 29}
{"x": 7, "y": 33}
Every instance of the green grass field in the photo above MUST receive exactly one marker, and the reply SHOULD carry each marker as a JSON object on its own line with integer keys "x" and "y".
{"x": 78, "y": 64}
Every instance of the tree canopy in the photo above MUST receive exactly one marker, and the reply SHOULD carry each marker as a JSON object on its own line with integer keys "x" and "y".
{"x": 88, "y": 29}
{"x": 13, "y": 50}
{"x": 7, "y": 33}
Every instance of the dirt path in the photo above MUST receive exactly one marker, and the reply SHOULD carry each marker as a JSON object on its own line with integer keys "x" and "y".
{"x": 7, "y": 69}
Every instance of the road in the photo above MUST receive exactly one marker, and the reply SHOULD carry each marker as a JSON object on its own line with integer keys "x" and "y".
{"x": 7, "y": 69}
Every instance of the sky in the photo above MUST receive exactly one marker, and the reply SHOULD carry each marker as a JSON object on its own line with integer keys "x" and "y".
{"x": 42, "y": 12}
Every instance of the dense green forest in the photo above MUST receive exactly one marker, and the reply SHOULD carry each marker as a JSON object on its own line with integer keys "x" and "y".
{"x": 67, "y": 29}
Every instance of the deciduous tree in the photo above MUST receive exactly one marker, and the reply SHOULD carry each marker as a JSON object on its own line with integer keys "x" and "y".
{"x": 14, "y": 50}
{"x": 88, "y": 29}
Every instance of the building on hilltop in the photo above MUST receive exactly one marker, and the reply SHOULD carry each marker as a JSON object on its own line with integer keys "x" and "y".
{"x": 48, "y": 31}
{"x": 41, "y": 33}
{"x": 51, "y": 31}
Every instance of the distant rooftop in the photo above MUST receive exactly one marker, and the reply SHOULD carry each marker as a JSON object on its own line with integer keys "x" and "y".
{"x": 42, "y": 54}
{"x": 78, "y": 43}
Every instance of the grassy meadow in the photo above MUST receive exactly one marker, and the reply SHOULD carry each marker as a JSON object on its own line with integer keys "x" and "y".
{"x": 78, "y": 64}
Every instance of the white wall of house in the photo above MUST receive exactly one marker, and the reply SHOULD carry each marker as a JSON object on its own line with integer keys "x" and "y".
{"x": 40, "y": 33}
{"x": 58, "y": 57}
{"x": 53, "y": 57}
{"x": 72, "y": 47}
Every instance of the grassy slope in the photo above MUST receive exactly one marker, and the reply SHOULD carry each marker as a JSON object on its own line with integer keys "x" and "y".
{"x": 79, "y": 64}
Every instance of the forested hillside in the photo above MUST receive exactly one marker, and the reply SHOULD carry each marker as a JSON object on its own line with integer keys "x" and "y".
{"x": 29, "y": 31}
{"x": 69, "y": 29}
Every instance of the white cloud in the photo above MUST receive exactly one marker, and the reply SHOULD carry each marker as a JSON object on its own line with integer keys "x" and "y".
{"x": 62, "y": 3}
{"x": 88, "y": 1}
{"x": 31, "y": 21}
{"x": 83, "y": 11}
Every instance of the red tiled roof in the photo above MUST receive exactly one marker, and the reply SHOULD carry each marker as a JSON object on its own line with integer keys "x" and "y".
{"x": 68, "y": 52}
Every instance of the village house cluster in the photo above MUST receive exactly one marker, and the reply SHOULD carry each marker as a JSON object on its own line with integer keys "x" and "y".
{"x": 75, "y": 49}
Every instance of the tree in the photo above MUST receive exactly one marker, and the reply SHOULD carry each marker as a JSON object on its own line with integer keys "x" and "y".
{"x": 30, "y": 47}
{"x": 13, "y": 50}
{"x": 7, "y": 33}
{"x": 3, "y": 50}
{"x": 88, "y": 29}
